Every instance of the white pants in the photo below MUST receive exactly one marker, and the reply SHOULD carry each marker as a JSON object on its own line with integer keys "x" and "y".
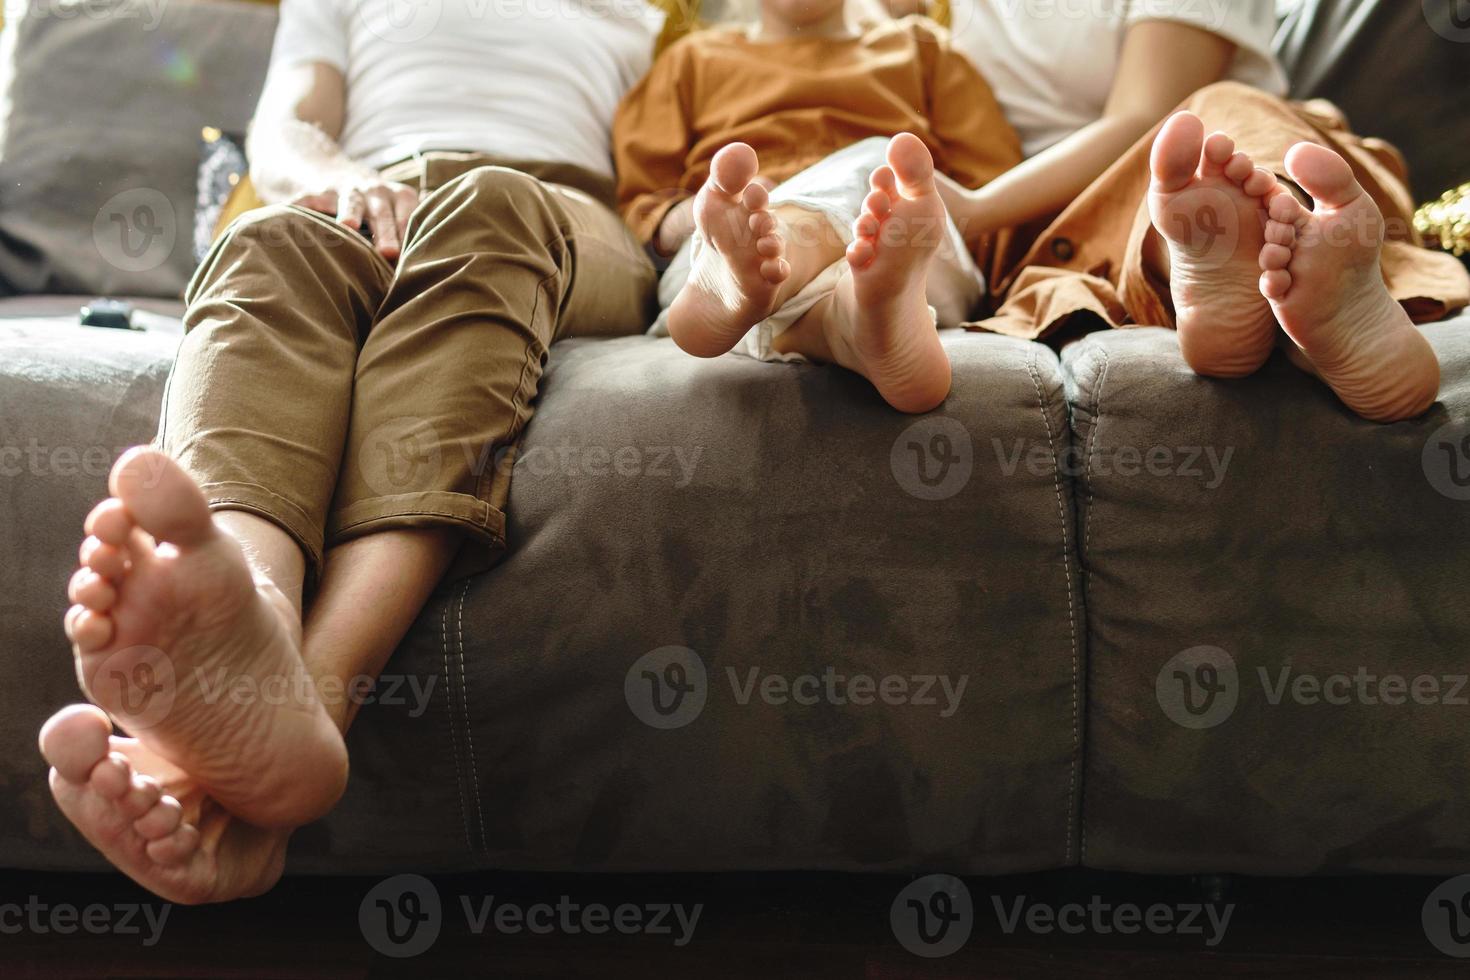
{"x": 835, "y": 188}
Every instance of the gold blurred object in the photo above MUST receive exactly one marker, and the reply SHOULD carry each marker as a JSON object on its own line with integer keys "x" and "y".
{"x": 1447, "y": 221}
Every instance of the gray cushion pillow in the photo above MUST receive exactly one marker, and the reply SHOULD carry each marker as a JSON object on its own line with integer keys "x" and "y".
{"x": 105, "y": 103}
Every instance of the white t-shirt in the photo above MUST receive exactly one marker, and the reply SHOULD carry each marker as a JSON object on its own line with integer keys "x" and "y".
{"x": 534, "y": 80}
{"x": 1052, "y": 62}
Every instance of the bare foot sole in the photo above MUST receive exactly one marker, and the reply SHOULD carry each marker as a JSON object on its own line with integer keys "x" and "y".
{"x": 149, "y": 819}
{"x": 740, "y": 269}
{"x": 170, "y": 628}
{"x": 880, "y": 322}
{"x": 1320, "y": 272}
{"x": 1208, "y": 204}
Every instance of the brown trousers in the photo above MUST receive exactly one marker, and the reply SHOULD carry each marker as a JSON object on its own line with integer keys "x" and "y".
{"x": 334, "y": 394}
{"x": 1090, "y": 258}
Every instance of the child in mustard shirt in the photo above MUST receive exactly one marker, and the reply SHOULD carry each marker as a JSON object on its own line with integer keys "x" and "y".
{"x": 764, "y": 160}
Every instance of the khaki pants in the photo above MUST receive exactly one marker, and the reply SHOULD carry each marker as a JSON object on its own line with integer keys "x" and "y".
{"x": 1090, "y": 259}
{"x": 336, "y": 395}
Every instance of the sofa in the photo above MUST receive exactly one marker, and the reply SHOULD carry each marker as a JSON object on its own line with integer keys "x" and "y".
{"x": 1093, "y": 611}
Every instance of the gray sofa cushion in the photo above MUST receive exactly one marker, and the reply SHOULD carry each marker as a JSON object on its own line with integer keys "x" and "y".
{"x": 766, "y": 517}
{"x": 106, "y": 101}
{"x": 1327, "y": 546}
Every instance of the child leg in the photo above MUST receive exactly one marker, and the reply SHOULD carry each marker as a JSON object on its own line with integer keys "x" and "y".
{"x": 749, "y": 259}
{"x": 878, "y": 322}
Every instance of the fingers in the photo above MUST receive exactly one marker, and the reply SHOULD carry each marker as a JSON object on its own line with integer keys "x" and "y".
{"x": 405, "y": 199}
{"x": 352, "y": 209}
{"x": 382, "y": 221}
{"x": 325, "y": 202}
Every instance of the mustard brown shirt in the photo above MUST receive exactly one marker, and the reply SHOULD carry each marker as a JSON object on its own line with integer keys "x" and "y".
{"x": 796, "y": 101}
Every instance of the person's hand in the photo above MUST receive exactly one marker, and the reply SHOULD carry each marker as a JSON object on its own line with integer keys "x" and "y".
{"x": 383, "y": 206}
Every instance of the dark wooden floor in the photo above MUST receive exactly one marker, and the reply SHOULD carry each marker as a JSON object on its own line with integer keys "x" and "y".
{"x": 763, "y": 926}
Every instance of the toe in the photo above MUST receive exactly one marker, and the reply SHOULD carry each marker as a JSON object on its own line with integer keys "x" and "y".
{"x": 1218, "y": 151}
{"x": 877, "y": 205}
{"x": 755, "y": 197}
{"x": 1176, "y": 151}
{"x": 1260, "y": 182}
{"x": 112, "y": 777}
{"x": 176, "y": 848}
{"x": 161, "y": 820}
{"x": 110, "y": 522}
{"x": 1323, "y": 174}
{"x": 1285, "y": 208}
{"x": 866, "y": 226}
{"x": 90, "y": 630}
{"x": 884, "y": 182}
{"x": 1275, "y": 284}
{"x": 911, "y": 162}
{"x": 1275, "y": 257}
{"x": 775, "y": 271}
{"x": 142, "y": 793}
{"x": 762, "y": 223}
{"x": 770, "y": 247}
{"x": 860, "y": 253}
{"x": 733, "y": 168}
{"x": 74, "y": 740}
{"x": 1239, "y": 168}
{"x": 104, "y": 559}
{"x": 162, "y": 498}
{"x": 91, "y": 590}
{"x": 1280, "y": 233}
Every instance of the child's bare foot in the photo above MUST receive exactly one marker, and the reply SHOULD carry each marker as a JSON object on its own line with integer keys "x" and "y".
{"x": 1207, "y": 202}
{"x": 881, "y": 324}
{"x": 737, "y": 275}
{"x": 176, "y": 639}
{"x": 150, "y": 819}
{"x": 1320, "y": 273}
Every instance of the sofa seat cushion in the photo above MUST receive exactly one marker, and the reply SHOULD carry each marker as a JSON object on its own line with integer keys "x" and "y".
{"x": 1268, "y": 578}
{"x": 778, "y": 523}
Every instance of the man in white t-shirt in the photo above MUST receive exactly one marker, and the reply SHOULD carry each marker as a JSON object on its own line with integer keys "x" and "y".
{"x": 360, "y": 361}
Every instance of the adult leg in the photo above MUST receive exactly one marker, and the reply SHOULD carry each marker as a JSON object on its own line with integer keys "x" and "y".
{"x": 1351, "y": 263}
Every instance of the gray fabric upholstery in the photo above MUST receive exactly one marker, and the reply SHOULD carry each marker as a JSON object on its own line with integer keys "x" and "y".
{"x": 787, "y": 540}
{"x": 1327, "y": 546}
{"x": 106, "y": 100}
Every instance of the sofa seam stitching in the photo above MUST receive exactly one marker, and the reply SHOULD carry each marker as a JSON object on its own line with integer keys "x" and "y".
{"x": 453, "y": 737}
{"x": 464, "y": 694}
{"x": 1072, "y": 800}
{"x": 1097, "y": 417}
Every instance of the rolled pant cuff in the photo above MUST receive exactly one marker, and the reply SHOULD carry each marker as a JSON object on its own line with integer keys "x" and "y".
{"x": 254, "y": 499}
{"x": 435, "y": 508}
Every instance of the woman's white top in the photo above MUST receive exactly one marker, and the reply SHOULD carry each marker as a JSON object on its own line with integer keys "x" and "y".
{"x": 1052, "y": 62}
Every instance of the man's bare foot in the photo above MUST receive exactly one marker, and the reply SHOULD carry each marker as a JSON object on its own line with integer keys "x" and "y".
{"x": 1321, "y": 274}
{"x": 177, "y": 640}
{"x": 739, "y": 271}
{"x": 880, "y": 322}
{"x": 150, "y": 819}
{"x": 1208, "y": 204}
